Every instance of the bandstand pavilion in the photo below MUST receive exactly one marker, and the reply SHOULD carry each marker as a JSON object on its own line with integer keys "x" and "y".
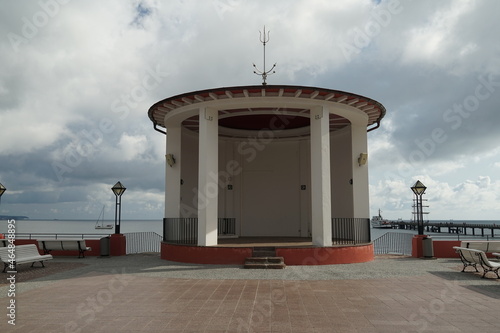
{"x": 276, "y": 162}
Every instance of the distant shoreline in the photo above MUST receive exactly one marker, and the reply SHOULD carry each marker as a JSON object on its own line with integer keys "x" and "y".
{"x": 13, "y": 217}
{"x": 4, "y": 217}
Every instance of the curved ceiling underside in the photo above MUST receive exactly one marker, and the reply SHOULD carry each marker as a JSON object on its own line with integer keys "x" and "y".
{"x": 288, "y": 121}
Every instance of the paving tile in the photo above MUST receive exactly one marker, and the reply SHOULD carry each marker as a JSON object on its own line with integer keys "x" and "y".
{"x": 429, "y": 302}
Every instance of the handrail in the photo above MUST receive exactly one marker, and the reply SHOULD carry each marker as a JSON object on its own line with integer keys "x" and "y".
{"x": 185, "y": 230}
{"x": 350, "y": 231}
{"x": 31, "y": 235}
{"x": 394, "y": 242}
{"x": 142, "y": 241}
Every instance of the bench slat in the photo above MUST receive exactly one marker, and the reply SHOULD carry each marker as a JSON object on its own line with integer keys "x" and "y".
{"x": 79, "y": 245}
{"x": 486, "y": 246}
{"x": 23, "y": 254}
{"x": 473, "y": 257}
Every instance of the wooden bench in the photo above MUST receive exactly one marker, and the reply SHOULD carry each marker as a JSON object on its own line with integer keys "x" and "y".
{"x": 79, "y": 245}
{"x": 485, "y": 246}
{"x": 21, "y": 254}
{"x": 473, "y": 257}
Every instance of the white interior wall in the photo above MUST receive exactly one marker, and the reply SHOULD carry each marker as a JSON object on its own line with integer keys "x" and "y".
{"x": 271, "y": 191}
{"x": 267, "y": 197}
{"x": 189, "y": 175}
{"x": 341, "y": 173}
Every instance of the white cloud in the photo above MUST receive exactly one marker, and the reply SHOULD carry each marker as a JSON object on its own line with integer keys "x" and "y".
{"x": 132, "y": 147}
{"x": 434, "y": 39}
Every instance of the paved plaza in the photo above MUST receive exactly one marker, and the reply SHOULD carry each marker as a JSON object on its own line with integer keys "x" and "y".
{"x": 142, "y": 293}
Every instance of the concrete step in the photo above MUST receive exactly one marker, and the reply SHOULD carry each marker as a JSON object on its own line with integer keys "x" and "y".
{"x": 265, "y": 262}
{"x": 272, "y": 260}
{"x": 264, "y": 266}
{"x": 264, "y": 251}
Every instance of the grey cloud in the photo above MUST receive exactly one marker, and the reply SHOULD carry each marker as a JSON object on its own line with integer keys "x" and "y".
{"x": 78, "y": 67}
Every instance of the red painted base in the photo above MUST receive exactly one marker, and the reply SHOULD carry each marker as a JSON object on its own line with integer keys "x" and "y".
{"x": 326, "y": 255}
{"x": 444, "y": 248}
{"x": 292, "y": 256}
{"x": 205, "y": 254}
{"x": 416, "y": 246}
{"x": 117, "y": 245}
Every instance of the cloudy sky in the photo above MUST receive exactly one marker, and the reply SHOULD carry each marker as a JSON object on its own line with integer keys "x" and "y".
{"x": 77, "y": 78}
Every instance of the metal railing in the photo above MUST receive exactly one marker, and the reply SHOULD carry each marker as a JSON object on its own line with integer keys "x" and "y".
{"x": 140, "y": 242}
{"x": 226, "y": 226}
{"x": 180, "y": 230}
{"x": 350, "y": 231}
{"x": 460, "y": 237}
{"x": 185, "y": 230}
{"x": 393, "y": 243}
{"x": 45, "y": 235}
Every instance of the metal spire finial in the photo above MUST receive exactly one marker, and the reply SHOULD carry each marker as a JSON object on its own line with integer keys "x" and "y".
{"x": 264, "y": 39}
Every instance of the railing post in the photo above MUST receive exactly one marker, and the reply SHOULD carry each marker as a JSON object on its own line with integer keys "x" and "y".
{"x": 350, "y": 230}
{"x": 180, "y": 230}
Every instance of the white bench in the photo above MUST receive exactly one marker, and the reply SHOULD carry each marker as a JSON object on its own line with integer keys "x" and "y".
{"x": 468, "y": 256}
{"x": 21, "y": 254}
{"x": 79, "y": 245}
{"x": 473, "y": 257}
{"x": 485, "y": 246}
{"x": 488, "y": 265}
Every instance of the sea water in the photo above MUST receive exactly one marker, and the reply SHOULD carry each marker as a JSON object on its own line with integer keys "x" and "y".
{"x": 378, "y": 232}
{"x": 86, "y": 227}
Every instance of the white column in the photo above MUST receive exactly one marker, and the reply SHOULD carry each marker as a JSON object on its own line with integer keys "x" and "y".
{"x": 320, "y": 177}
{"x": 305, "y": 194}
{"x": 360, "y": 186}
{"x": 173, "y": 173}
{"x": 208, "y": 186}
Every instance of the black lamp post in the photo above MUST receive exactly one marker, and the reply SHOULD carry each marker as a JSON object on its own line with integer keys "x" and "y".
{"x": 2, "y": 190}
{"x": 419, "y": 189}
{"x": 118, "y": 190}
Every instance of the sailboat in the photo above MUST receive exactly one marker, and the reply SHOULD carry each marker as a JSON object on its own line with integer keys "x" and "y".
{"x": 100, "y": 219}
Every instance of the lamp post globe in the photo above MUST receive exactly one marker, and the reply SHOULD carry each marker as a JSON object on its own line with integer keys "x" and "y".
{"x": 2, "y": 190}
{"x": 419, "y": 189}
{"x": 118, "y": 190}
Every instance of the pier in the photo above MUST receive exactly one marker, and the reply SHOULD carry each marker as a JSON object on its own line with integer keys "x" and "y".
{"x": 451, "y": 227}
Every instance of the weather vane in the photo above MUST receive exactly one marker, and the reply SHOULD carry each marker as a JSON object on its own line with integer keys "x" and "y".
{"x": 264, "y": 39}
